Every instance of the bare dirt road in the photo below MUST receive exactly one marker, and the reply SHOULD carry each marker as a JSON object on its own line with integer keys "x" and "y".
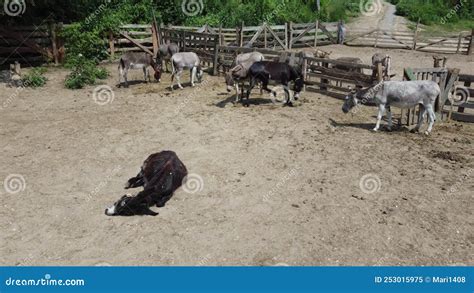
{"x": 379, "y": 15}
{"x": 301, "y": 186}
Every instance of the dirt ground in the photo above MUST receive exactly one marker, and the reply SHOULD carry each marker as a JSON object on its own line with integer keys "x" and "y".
{"x": 307, "y": 185}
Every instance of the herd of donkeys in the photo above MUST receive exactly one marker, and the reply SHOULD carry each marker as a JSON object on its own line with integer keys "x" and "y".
{"x": 162, "y": 173}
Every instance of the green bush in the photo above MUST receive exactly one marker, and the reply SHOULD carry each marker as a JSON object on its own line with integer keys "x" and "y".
{"x": 35, "y": 78}
{"x": 83, "y": 72}
{"x": 435, "y": 11}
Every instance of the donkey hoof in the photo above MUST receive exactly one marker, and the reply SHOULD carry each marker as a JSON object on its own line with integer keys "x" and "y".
{"x": 427, "y": 132}
{"x": 289, "y": 104}
{"x": 389, "y": 129}
{"x": 375, "y": 129}
{"x": 414, "y": 130}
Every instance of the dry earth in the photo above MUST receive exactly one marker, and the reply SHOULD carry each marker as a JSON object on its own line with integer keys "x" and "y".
{"x": 280, "y": 185}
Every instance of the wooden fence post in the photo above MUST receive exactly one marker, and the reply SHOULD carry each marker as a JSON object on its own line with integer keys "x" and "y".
{"x": 215, "y": 68}
{"x": 111, "y": 45}
{"x": 459, "y": 43}
{"x": 286, "y": 37}
{"x": 316, "y": 33}
{"x": 154, "y": 39}
{"x": 471, "y": 43}
{"x": 290, "y": 34}
{"x": 379, "y": 71}
{"x": 305, "y": 71}
{"x": 52, "y": 29}
{"x": 415, "y": 36}
{"x": 221, "y": 37}
{"x": 265, "y": 37}
{"x": 241, "y": 36}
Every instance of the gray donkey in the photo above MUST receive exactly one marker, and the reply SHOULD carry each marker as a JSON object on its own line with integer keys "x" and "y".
{"x": 400, "y": 94}
{"x": 166, "y": 51}
{"x": 137, "y": 60}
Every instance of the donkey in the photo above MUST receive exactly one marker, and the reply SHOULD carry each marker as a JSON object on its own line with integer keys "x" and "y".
{"x": 165, "y": 52}
{"x": 238, "y": 72}
{"x": 137, "y": 60}
{"x": 185, "y": 60}
{"x": 386, "y": 62}
{"x": 401, "y": 94}
{"x": 264, "y": 71}
{"x": 161, "y": 174}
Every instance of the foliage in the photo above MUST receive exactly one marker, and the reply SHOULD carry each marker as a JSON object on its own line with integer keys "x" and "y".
{"x": 35, "y": 78}
{"x": 83, "y": 72}
{"x": 436, "y": 11}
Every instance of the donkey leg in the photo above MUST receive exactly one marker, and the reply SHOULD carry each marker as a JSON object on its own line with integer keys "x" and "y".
{"x": 421, "y": 117}
{"x": 125, "y": 77}
{"x": 145, "y": 74}
{"x": 178, "y": 78}
{"x": 236, "y": 86}
{"x": 251, "y": 86}
{"x": 379, "y": 116}
{"x": 193, "y": 74}
{"x": 432, "y": 117}
{"x": 389, "y": 115}
{"x": 120, "y": 76}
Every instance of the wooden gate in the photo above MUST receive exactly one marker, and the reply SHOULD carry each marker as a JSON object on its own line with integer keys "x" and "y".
{"x": 265, "y": 36}
{"x": 310, "y": 35}
{"x": 381, "y": 39}
{"x": 444, "y": 77}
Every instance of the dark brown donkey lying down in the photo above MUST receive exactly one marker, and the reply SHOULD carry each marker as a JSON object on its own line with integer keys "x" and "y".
{"x": 161, "y": 174}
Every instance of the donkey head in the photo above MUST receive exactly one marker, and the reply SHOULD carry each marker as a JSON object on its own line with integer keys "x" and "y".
{"x": 350, "y": 101}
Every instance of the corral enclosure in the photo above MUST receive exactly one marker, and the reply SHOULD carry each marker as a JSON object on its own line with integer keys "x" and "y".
{"x": 280, "y": 184}
{"x": 306, "y": 185}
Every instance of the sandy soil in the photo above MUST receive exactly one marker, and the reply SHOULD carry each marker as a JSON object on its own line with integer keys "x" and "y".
{"x": 280, "y": 185}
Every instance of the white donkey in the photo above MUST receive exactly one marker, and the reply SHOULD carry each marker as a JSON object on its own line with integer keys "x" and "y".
{"x": 185, "y": 60}
{"x": 240, "y": 68}
{"x": 400, "y": 94}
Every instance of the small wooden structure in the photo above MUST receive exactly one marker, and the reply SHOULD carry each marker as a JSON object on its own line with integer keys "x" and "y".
{"x": 321, "y": 76}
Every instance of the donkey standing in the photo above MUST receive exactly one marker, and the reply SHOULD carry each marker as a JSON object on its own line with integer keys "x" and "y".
{"x": 137, "y": 60}
{"x": 401, "y": 94}
{"x": 185, "y": 60}
{"x": 165, "y": 52}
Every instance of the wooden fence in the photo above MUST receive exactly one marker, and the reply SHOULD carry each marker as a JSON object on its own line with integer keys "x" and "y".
{"x": 276, "y": 37}
{"x": 30, "y": 44}
{"x": 335, "y": 78}
{"x": 460, "y": 43}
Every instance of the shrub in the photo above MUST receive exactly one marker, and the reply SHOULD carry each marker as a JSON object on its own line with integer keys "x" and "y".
{"x": 35, "y": 78}
{"x": 83, "y": 72}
